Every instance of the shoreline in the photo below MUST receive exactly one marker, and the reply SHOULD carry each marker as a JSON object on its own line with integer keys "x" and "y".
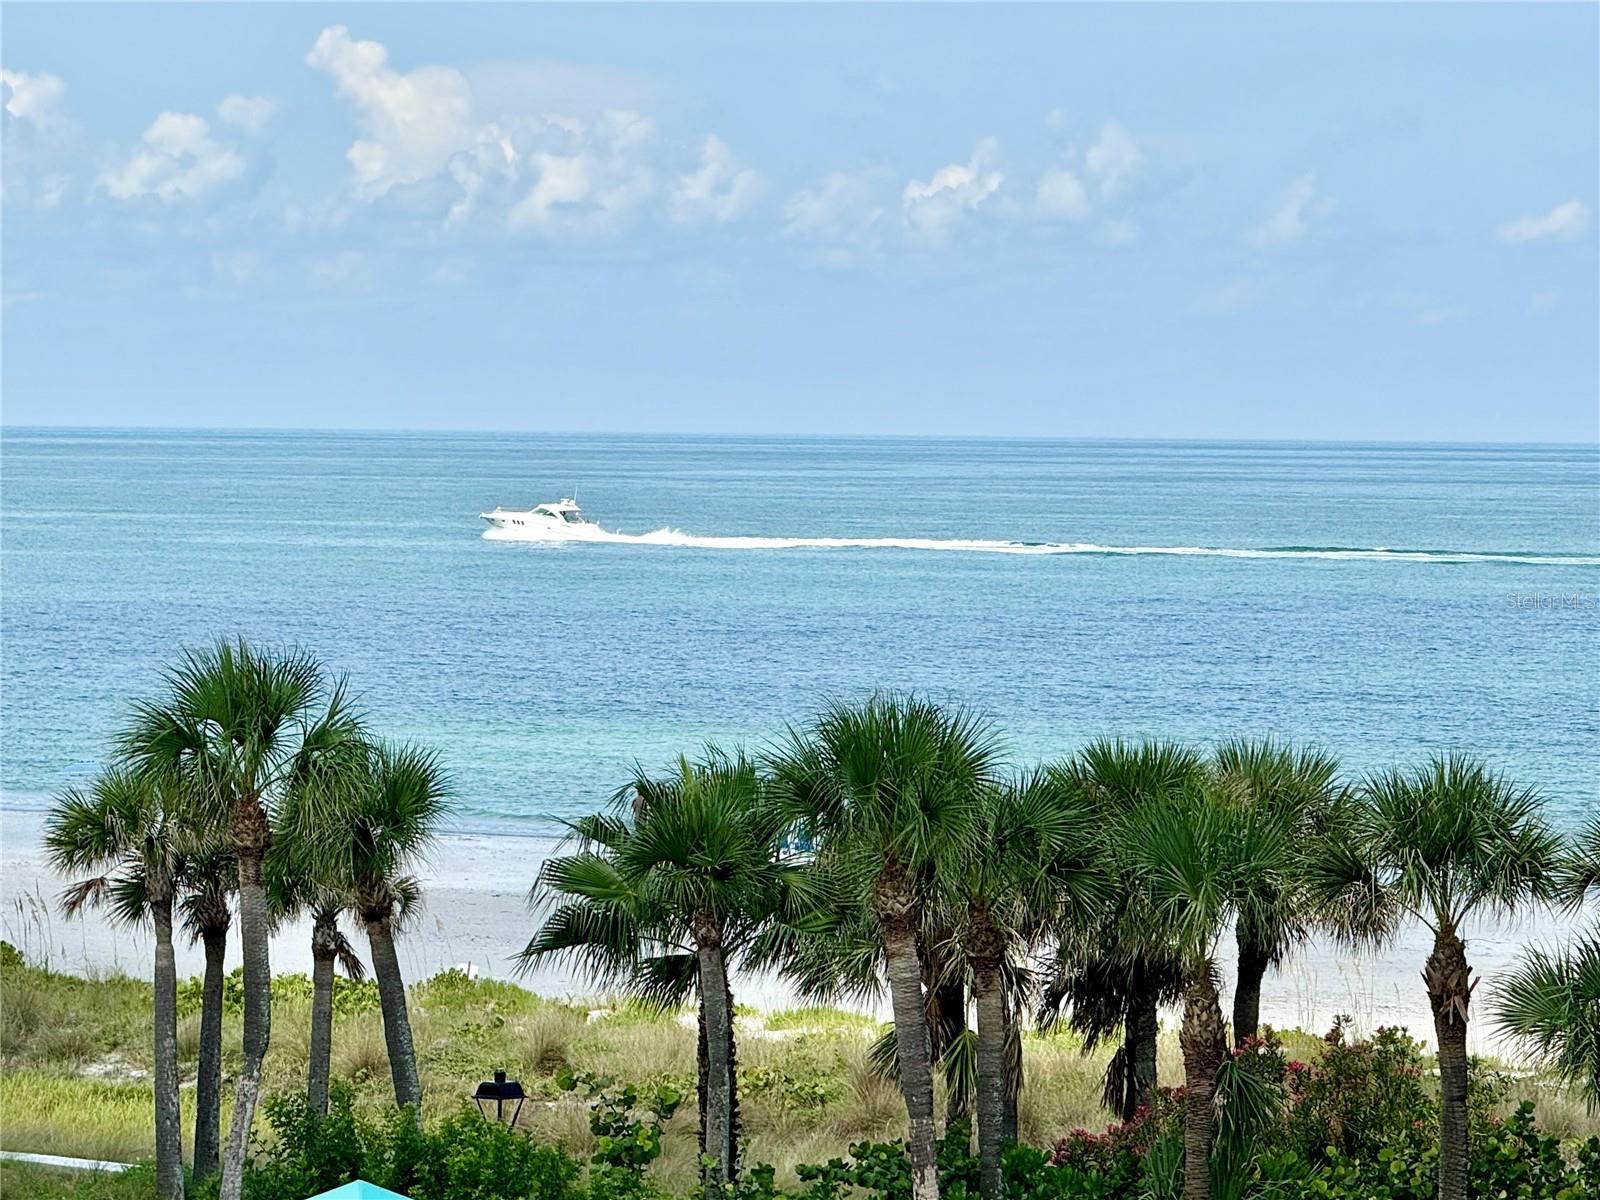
{"x": 475, "y": 915}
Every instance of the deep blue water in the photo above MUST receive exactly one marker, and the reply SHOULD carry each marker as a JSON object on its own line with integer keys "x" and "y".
{"x": 542, "y": 672}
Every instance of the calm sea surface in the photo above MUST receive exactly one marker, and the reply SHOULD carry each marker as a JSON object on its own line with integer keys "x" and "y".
{"x": 541, "y": 672}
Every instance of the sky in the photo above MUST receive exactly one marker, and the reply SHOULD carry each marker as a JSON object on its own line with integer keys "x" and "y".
{"x": 1337, "y": 221}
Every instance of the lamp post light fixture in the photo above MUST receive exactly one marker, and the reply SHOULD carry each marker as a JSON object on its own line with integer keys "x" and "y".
{"x": 501, "y": 1092}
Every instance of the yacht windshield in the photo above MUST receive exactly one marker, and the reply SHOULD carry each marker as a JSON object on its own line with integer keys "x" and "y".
{"x": 571, "y": 517}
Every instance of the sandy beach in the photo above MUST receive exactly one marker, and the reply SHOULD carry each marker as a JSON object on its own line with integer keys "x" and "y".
{"x": 475, "y": 913}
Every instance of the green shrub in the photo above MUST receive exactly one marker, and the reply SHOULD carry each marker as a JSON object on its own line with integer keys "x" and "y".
{"x": 1360, "y": 1097}
{"x": 349, "y": 995}
{"x": 453, "y": 990}
{"x": 468, "y": 1158}
{"x": 464, "y": 1157}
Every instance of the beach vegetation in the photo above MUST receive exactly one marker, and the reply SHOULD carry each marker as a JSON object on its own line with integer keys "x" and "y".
{"x": 1551, "y": 1002}
{"x": 122, "y": 841}
{"x": 888, "y": 792}
{"x": 243, "y": 729}
{"x": 1440, "y": 843}
{"x": 1026, "y": 927}
{"x": 661, "y": 895}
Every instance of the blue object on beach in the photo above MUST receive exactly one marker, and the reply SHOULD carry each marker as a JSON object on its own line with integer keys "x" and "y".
{"x": 359, "y": 1189}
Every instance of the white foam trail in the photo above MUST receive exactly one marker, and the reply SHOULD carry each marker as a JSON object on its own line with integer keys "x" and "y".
{"x": 675, "y": 537}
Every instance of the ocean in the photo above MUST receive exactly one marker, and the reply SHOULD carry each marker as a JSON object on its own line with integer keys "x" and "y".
{"x": 1384, "y": 601}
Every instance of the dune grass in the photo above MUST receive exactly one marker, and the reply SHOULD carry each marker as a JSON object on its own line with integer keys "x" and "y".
{"x": 75, "y": 1055}
{"x": 27, "y": 1181}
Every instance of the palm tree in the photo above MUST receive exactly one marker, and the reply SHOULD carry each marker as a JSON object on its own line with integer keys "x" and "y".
{"x": 603, "y": 925}
{"x": 1110, "y": 977}
{"x": 1197, "y": 863}
{"x": 360, "y": 830}
{"x": 1551, "y": 1002}
{"x": 686, "y": 870}
{"x": 1273, "y": 780}
{"x": 888, "y": 790}
{"x": 1029, "y": 868}
{"x": 244, "y": 729}
{"x": 1440, "y": 843}
{"x": 210, "y": 879}
{"x": 130, "y": 830}
{"x": 293, "y": 890}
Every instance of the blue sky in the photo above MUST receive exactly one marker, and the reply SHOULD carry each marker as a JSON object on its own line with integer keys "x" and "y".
{"x": 1331, "y": 221}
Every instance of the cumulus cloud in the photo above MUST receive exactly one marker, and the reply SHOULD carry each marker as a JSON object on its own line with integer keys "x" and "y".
{"x": 932, "y": 206}
{"x": 562, "y": 180}
{"x": 1563, "y": 222}
{"x": 1288, "y": 222}
{"x": 1061, "y": 196}
{"x": 719, "y": 189}
{"x": 412, "y": 123}
{"x": 1113, "y": 158}
{"x": 841, "y": 216}
{"x": 249, "y": 113}
{"x": 534, "y": 167}
{"x": 31, "y": 97}
{"x": 177, "y": 159}
{"x": 594, "y": 185}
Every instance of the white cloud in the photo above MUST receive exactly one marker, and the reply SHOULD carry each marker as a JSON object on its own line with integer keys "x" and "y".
{"x": 249, "y": 113}
{"x": 1061, "y": 196}
{"x": 1565, "y": 221}
{"x": 510, "y": 155}
{"x": 31, "y": 97}
{"x": 933, "y": 205}
{"x": 719, "y": 189}
{"x": 841, "y": 216}
{"x": 1113, "y": 158}
{"x": 563, "y": 180}
{"x": 177, "y": 159}
{"x": 1289, "y": 221}
{"x": 412, "y": 123}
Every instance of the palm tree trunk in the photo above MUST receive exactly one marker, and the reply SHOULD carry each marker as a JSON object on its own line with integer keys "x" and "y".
{"x": 1013, "y": 1067}
{"x": 396, "y": 1022}
{"x": 1143, "y": 1028}
{"x": 250, "y": 838}
{"x": 1204, "y": 1039}
{"x": 703, "y": 1075}
{"x": 720, "y": 1086}
{"x": 733, "y": 1076}
{"x": 895, "y": 907}
{"x": 993, "y": 1030}
{"x": 1253, "y": 963}
{"x": 169, "y": 1122}
{"x": 208, "y": 1083}
{"x": 702, "y": 1063}
{"x": 323, "y": 955}
{"x": 1449, "y": 981}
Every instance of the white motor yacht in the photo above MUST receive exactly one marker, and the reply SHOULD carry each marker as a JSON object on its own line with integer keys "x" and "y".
{"x": 557, "y": 520}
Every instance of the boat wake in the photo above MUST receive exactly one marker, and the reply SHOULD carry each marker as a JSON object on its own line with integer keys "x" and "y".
{"x": 675, "y": 537}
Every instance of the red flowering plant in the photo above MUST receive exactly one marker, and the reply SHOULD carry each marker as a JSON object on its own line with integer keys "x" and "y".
{"x": 1359, "y": 1096}
{"x": 1123, "y": 1143}
{"x": 1263, "y": 1057}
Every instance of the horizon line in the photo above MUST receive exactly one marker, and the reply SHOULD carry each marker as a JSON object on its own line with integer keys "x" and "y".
{"x": 398, "y": 430}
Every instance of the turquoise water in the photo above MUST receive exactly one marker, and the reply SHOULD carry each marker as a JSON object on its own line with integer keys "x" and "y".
{"x": 541, "y": 672}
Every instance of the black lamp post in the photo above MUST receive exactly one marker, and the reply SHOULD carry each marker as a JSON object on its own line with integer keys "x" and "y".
{"x": 501, "y": 1092}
